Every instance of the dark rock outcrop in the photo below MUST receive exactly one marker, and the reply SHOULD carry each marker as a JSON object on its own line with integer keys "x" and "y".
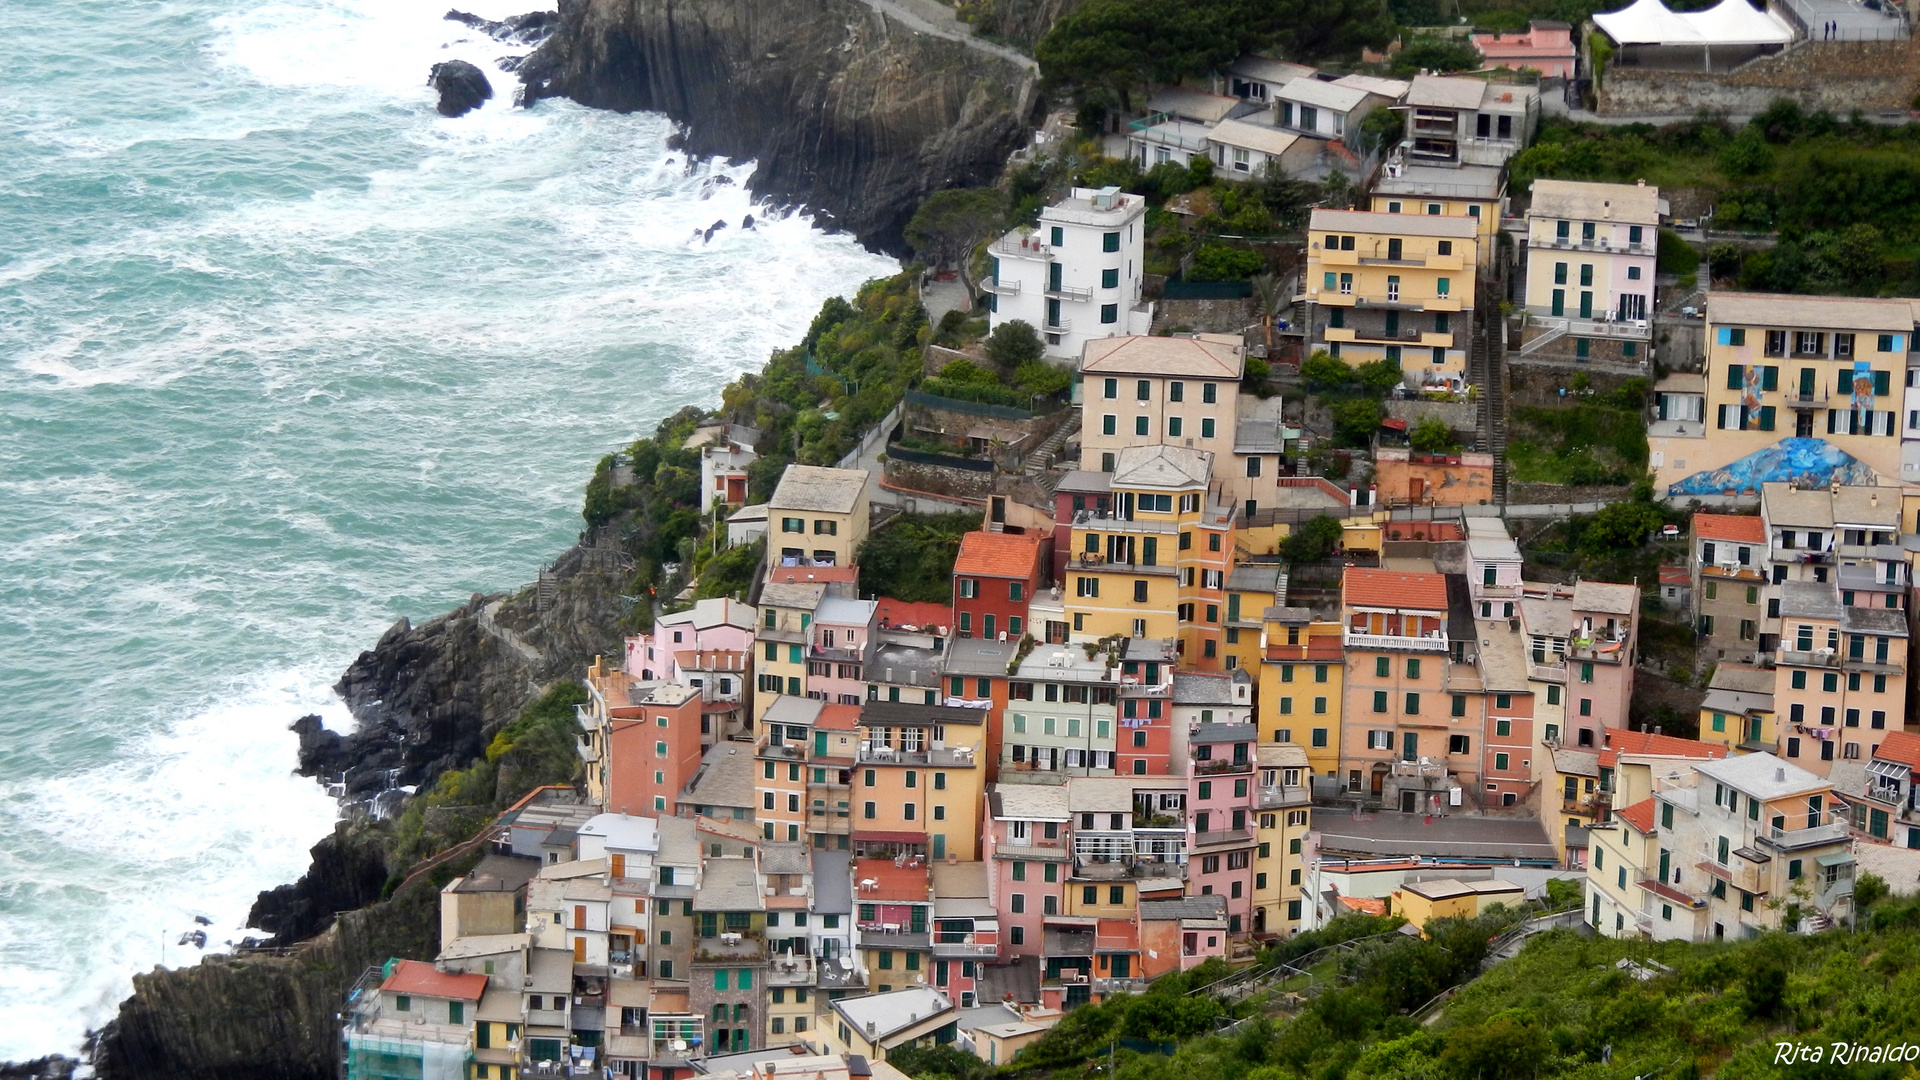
{"x": 847, "y": 110}
{"x": 463, "y": 87}
{"x": 428, "y": 698}
{"x": 529, "y": 29}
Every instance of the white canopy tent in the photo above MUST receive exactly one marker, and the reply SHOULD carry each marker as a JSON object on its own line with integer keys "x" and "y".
{"x": 1732, "y": 25}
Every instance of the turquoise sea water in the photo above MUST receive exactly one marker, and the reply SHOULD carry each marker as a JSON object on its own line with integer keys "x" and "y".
{"x": 285, "y": 356}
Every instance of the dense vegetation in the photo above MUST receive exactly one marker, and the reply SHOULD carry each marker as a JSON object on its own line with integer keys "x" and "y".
{"x": 1844, "y": 195}
{"x": 535, "y": 749}
{"x": 912, "y": 558}
{"x": 1598, "y": 439}
{"x": 1566, "y": 1007}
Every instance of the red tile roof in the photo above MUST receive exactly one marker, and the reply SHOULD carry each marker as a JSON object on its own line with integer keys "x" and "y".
{"x": 1674, "y": 575}
{"x": 1900, "y": 746}
{"x": 901, "y": 613}
{"x": 1394, "y": 589}
{"x": 1639, "y": 815}
{"x": 421, "y": 978}
{"x": 1365, "y": 905}
{"x": 1002, "y": 555}
{"x": 1740, "y": 528}
{"x": 1621, "y": 741}
{"x": 838, "y": 718}
{"x": 898, "y": 883}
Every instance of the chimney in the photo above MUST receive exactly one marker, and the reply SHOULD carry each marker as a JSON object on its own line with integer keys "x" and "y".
{"x": 871, "y": 1032}
{"x": 1780, "y": 776}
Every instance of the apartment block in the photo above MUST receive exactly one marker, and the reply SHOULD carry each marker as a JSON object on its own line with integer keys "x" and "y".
{"x": 1794, "y": 388}
{"x": 1302, "y": 680}
{"x": 1076, "y": 276}
{"x": 1840, "y": 676}
{"x": 1590, "y": 266}
{"x": 1395, "y": 287}
{"x": 1477, "y": 192}
{"x": 817, "y": 516}
{"x": 1461, "y": 121}
{"x": 920, "y": 780}
{"x": 1728, "y": 568}
{"x": 995, "y": 578}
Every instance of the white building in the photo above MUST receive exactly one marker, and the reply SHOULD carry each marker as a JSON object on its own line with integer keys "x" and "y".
{"x": 1590, "y": 251}
{"x": 1077, "y": 276}
{"x": 1175, "y": 127}
{"x": 1458, "y": 121}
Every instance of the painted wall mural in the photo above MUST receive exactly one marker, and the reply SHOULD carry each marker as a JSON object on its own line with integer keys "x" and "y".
{"x": 1810, "y": 461}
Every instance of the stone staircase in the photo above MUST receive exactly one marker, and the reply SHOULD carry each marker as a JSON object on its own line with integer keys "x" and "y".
{"x": 1486, "y": 370}
{"x": 1544, "y": 340}
{"x": 1041, "y": 459}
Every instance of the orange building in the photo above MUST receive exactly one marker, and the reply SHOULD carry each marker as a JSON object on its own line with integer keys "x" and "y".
{"x": 641, "y": 740}
{"x": 919, "y": 781}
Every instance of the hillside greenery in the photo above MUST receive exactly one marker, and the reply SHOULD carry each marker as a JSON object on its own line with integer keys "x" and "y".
{"x": 912, "y": 558}
{"x": 1565, "y": 1007}
{"x": 1843, "y": 194}
{"x": 1590, "y": 440}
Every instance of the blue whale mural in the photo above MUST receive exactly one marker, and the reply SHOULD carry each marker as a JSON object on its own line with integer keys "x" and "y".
{"x": 1809, "y": 461}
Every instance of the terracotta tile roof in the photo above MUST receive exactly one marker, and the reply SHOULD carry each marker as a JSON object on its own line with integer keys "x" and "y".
{"x": 422, "y": 978}
{"x": 1004, "y": 555}
{"x": 1394, "y": 589}
{"x": 1674, "y": 575}
{"x": 1621, "y": 741}
{"x": 1639, "y": 815}
{"x": 1364, "y": 905}
{"x": 1900, "y": 746}
{"x": 1740, "y": 528}
{"x": 838, "y": 718}
{"x": 912, "y": 882}
{"x": 901, "y": 613}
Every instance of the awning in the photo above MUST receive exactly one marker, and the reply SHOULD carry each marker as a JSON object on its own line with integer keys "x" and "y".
{"x": 1841, "y": 859}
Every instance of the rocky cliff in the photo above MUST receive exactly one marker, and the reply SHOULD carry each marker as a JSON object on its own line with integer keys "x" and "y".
{"x": 854, "y": 108}
{"x": 428, "y": 698}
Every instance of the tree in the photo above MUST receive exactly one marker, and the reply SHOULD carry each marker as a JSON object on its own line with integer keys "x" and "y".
{"x": 1748, "y": 155}
{"x": 1621, "y": 526}
{"x": 1040, "y": 377}
{"x": 1501, "y": 1049}
{"x": 1218, "y": 262}
{"x": 1013, "y": 343}
{"x": 1428, "y": 53}
{"x": 1379, "y": 377}
{"x": 1312, "y": 540}
{"x": 1432, "y": 436}
{"x": 1324, "y": 371}
{"x": 1355, "y": 421}
{"x": 1271, "y": 301}
{"x": 951, "y": 223}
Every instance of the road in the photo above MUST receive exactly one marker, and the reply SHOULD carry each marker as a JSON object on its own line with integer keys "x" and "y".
{"x": 933, "y": 17}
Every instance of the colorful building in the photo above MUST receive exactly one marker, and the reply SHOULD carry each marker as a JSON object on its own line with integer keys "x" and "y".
{"x": 1394, "y": 287}
{"x": 995, "y": 577}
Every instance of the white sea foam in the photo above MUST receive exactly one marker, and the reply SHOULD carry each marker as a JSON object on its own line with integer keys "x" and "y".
{"x": 297, "y": 357}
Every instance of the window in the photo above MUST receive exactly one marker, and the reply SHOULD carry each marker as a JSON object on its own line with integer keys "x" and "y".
{"x": 1109, "y": 313}
{"x": 793, "y": 525}
{"x": 1059, "y": 237}
{"x": 1111, "y": 390}
{"x": 1109, "y": 279}
{"x": 1380, "y": 701}
{"x": 1500, "y": 761}
{"x": 1109, "y": 424}
{"x": 1110, "y": 241}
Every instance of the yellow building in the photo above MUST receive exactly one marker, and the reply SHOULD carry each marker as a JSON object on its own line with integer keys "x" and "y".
{"x": 1395, "y": 287}
{"x": 1617, "y": 858}
{"x": 817, "y": 516}
{"x": 1250, "y": 592}
{"x": 1301, "y": 676}
{"x": 1421, "y": 902}
{"x": 1826, "y": 368}
{"x": 1840, "y": 676}
{"x": 780, "y": 642}
{"x": 496, "y": 1035}
{"x": 1737, "y": 712}
{"x": 920, "y": 781}
{"x": 1478, "y": 192}
{"x": 1155, "y": 565}
{"x": 1279, "y": 866}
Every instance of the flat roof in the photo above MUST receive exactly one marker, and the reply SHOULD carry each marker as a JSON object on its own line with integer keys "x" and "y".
{"x": 1329, "y": 95}
{"x": 1456, "y": 838}
{"x": 728, "y": 884}
{"x": 1763, "y": 776}
{"x": 1196, "y": 104}
{"x": 1268, "y": 140}
{"x": 1029, "y": 802}
{"x": 624, "y": 832}
{"x": 894, "y": 1011}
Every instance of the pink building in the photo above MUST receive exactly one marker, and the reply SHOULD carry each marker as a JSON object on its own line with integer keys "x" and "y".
{"x": 1546, "y": 47}
{"x": 837, "y": 641}
{"x": 1221, "y": 802}
{"x": 1028, "y": 853}
{"x": 719, "y": 625}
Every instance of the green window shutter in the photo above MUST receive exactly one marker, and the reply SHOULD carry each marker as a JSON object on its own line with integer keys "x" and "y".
{"x": 1736, "y": 377}
{"x": 1770, "y": 378}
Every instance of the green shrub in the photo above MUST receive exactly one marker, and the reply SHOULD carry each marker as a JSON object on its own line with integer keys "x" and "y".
{"x": 1218, "y": 262}
{"x": 1674, "y": 255}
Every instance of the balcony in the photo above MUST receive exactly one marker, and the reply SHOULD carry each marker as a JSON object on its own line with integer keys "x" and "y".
{"x": 1273, "y": 796}
{"x": 972, "y": 945}
{"x": 785, "y": 751}
{"x": 1023, "y": 248}
{"x": 1670, "y": 893}
{"x": 790, "y": 969}
{"x": 1214, "y": 768}
{"x": 1001, "y": 288}
{"x": 588, "y": 752}
{"x": 1817, "y": 658}
{"x": 881, "y": 937}
{"x": 1805, "y": 400}
{"x": 1420, "y": 770}
{"x": 1057, "y": 325}
{"x": 1032, "y": 849}
{"x": 1436, "y": 644}
{"x": 1066, "y": 292}
{"x": 1119, "y": 986}
{"x": 1793, "y": 839}
{"x": 960, "y": 757}
{"x": 1547, "y": 672}
{"x": 1742, "y": 871}
{"x": 1222, "y": 838}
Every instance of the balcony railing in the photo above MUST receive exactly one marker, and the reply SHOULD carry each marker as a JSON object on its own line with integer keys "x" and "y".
{"x": 1785, "y": 839}
{"x": 1219, "y": 837}
{"x": 959, "y": 757}
{"x": 1001, "y": 288}
{"x": 965, "y": 945}
{"x": 1057, "y": 325}
{"x": 1394, "y": 641}
{"x": 1816, "y": 658}
{"x": 876, "y": 937}
{"x": 1119, "y": 986}
{"x": 1067, "y": 292}
{"x": 785, "y": 751}
{"x": 1272, "y": 796}
{"x": 1211, "y": 768}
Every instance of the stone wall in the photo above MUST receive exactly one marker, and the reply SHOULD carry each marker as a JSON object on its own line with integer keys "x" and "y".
{"x": 1536, "y": 494}
{"x": 933, "y": 479}
{"x": 1461, "y": 416}
{"x": 1205, "y": 316}
{"x": 1835, "y": 76}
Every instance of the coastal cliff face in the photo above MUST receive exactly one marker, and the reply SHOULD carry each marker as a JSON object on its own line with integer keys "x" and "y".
{"x": 847, "y": 108}
{"x": 1022, "y": 22}
{"x": 428, "y": 698}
